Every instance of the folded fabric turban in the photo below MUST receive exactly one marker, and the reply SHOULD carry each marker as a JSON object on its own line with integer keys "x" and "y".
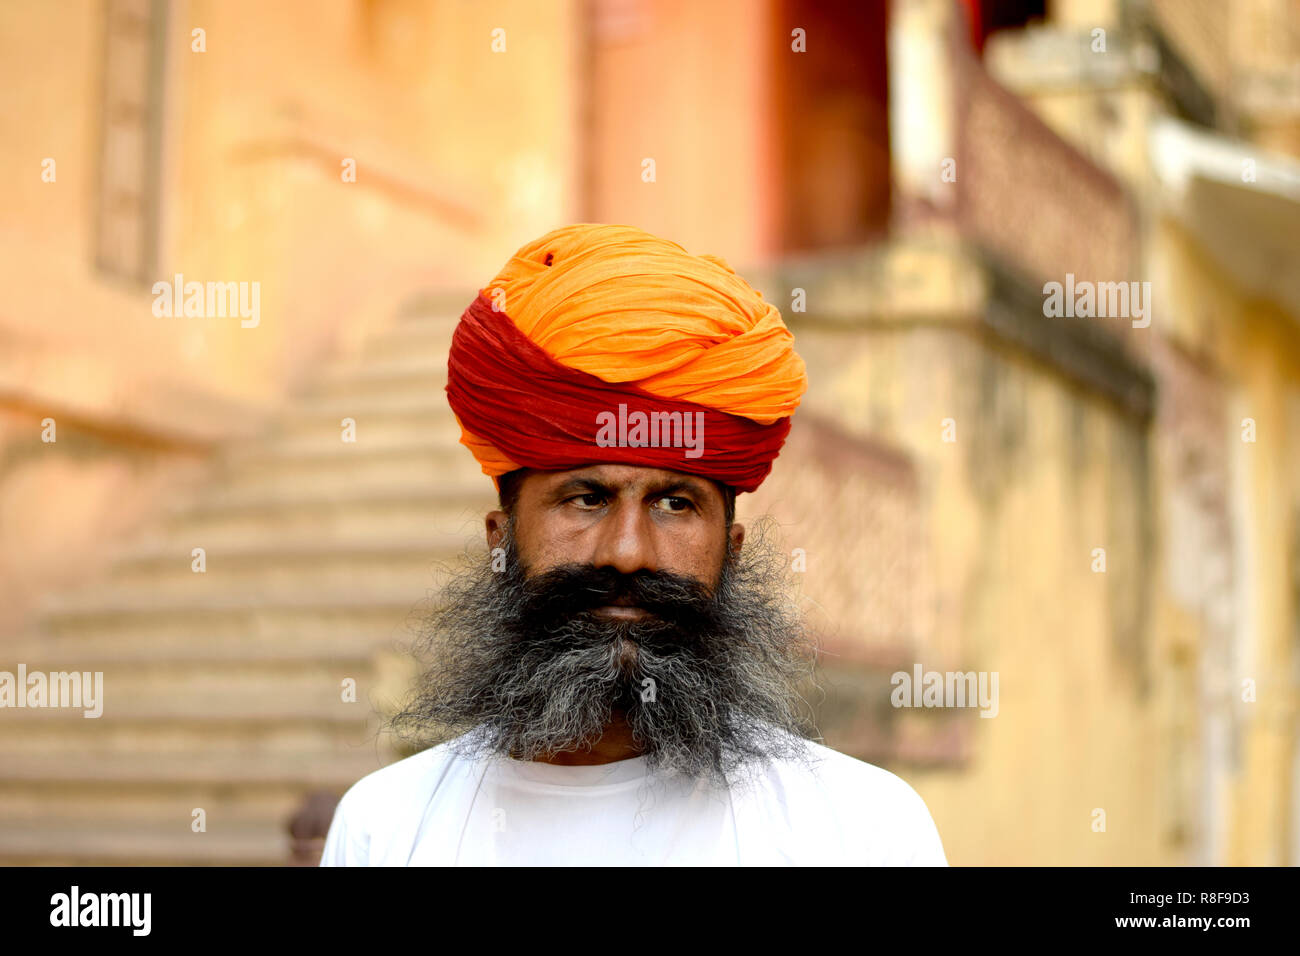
{"x": 602, "y": 343}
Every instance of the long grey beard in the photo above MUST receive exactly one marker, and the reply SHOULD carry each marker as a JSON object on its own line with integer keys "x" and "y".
{"x": 708, "y": 685}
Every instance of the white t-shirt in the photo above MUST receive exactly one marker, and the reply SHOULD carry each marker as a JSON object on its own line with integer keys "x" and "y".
{"x": 440, "y": 809}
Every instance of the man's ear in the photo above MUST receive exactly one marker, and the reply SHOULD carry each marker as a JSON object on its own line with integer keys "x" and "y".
{"x": 496, "y": 522}
{"x": 735, "y": 538}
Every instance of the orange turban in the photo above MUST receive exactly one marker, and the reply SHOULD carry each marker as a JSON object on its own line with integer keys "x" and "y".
{"x": 591, "y": 326}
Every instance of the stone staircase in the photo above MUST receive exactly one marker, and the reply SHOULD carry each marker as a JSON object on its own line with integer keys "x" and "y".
{"x": 224, "y": 690}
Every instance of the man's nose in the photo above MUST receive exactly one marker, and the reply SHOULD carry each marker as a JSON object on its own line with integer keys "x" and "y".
{"x": 624, "y": 540}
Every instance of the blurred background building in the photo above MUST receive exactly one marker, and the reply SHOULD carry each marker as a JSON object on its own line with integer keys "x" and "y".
{"x": 1105, "y": 512}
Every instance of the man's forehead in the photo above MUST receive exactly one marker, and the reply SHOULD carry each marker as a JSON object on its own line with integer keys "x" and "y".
{"x": 621, "y": 476}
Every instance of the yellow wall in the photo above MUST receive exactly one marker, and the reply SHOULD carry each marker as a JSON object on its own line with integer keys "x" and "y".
{"x": 1256, "y": 347}
{"x": 257, "y": 127}
{"x": 699, "y": 74}
{"x": 1012, "y": 510}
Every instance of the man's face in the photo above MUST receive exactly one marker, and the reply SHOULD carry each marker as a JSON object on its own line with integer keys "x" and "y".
{"x": 622, "y": 517}
{"x": 623, "y": 599}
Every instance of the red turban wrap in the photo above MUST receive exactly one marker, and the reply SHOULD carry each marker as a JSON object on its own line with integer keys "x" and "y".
{"x": 602, "y": 343}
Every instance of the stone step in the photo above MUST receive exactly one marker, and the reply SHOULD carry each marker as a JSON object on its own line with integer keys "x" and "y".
{"x": 419, "y": 405}
{"x": 115, "y": 806}
{"x": 445, "y": 313}
{"x": 289, "y": 618}
{"x": 416, "y": 414}
{"x": 414, "y": 375}
{"x": 429, "y": 338}
{"x": 53, "y": 841}
{"x": 196, "y": 693}
{"x": 158, "y": 552}
{"x": 73, "y": 738}
{"x": 364, "y": 367}
{"x": 236, "y": 771}
{"x": 270, "y": 569}
{"x": 370, "y": 432}
{"x": 184, "y": 646}
{"x": 328, "y": 518}
{"x": 346, "y": 470}
{"x": 223, "y": 690}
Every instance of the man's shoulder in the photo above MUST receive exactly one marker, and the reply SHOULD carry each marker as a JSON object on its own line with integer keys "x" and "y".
{"x": 402, "y": 780}
{"x": 868, "y": 804}
{"x": 856, "y": 777}
{"x": 377, "y": 812}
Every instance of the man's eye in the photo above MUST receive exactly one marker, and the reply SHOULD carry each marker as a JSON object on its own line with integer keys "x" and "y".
{"x": 675, "y": 505}
{"x": 591, "y": 499}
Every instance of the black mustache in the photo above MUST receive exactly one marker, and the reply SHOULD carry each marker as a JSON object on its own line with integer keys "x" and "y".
{"x": 573, "y": 588}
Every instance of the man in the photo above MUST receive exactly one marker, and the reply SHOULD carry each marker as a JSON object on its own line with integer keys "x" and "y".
{"x": 621, "y": 678}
